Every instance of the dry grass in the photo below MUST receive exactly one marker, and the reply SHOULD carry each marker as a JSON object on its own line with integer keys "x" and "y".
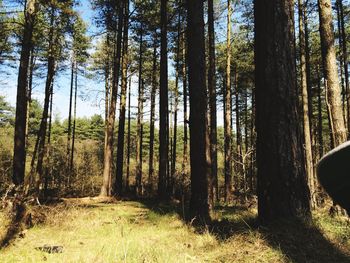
{"x": 110, "y": 231}
{"x": 4, "y": 222}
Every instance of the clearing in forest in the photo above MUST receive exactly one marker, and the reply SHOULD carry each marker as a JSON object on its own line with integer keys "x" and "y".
{"x": 94, "y": 231}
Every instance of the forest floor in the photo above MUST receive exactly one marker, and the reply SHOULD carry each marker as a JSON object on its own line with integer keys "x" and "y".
{"x": 90, "y": 230}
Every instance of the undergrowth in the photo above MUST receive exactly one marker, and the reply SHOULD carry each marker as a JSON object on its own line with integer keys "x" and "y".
{"x": 139, "y": 232}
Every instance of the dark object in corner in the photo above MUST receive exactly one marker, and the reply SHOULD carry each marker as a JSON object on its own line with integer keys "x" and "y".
{"x": 333, "y": 171}
{"x": 51, "y": 249}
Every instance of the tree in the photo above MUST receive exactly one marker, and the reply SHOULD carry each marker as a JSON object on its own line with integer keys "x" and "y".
{"x": 199, "y": 137}
{"x": 212, "y": 101}
{"x": 121, "y": 129}
{"x": 19, "y": 157}
{"x": 344, "y": 57}
{"x": 330, "y": 69}
{"x": 78, "y": 57}
{"x": 176, "y": 98}
{"x": 163, "y": 105}
{"x": 152, "y": 116}
{"x": 305, "y": 101}
{"x": 139, "y": 138}
{"x": 227, "y": 112}
{"x": 107, "y": 167}
{"x": 59, "y": 16}
{"x": 128, "y": 140}
{"x": 282, "y": 184}
{"x": 185, "y": 111}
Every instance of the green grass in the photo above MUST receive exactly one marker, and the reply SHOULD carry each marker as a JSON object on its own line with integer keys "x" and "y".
{"x": 135, "y": 232}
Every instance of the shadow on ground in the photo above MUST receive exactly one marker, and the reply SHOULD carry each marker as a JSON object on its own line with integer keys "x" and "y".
{"x": 299, "y": 241}
{"x": 303, "y": 242}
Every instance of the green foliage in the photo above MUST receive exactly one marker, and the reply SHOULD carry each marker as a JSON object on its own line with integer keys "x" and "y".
{"x": 6, "y": 151}
{"x": 89, "y": 128}
{"x": 6, "y": 113}
{"x": 5, "y": 34}
{"x": 81, "y": 43}
{"x": 35, "y": 113}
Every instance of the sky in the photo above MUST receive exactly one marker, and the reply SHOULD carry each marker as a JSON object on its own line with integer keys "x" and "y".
{"x": 86, "y": 105}
{"x": 90, "y": 93}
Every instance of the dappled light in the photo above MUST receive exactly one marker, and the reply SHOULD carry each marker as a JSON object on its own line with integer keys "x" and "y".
{"x": 174, "y": 131}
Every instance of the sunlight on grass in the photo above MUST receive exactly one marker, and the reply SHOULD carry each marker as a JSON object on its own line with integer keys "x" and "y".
{"x": 4, "y": 221}
{"x": 131, "y": 232}
{"x": 337, "y": 229}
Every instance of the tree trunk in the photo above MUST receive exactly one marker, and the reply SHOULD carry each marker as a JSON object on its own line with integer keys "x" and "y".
{"x": 121, "y": 132}
{"x": 319, "y": 115}
{"x": 48, "y": 148}
{"x": 252, "y": 178}
{"x": 282, "y": 185}
{"x": 331, "y": 72}
{"x": 199, "y": 137}
{"x": 43, "y": 125}
{"x": 305, "y": 101}
{"x": 212, "y": 102}
{"x": 29, "y": 90}
{"x": 139, "y": 186}
{"x": 69, "y": 135}
{"x": 128, "y": 141}
{"x": 246, "y": 154}
{"x": 345, "y": 60}
{"x": 342, "y": 80}
{"x": 176, "y": 102}
{"x": 153, "y": 107}
{"x": 163, "y": 105}
{"x": 71, "y": 162}
{"x": 107, "y": 162}
{"x": 184, "y": 87}
{"x": 227, "y": 113}
{"x": 19, "y": 157}
{"x": 239, "y": 151}
{"x": 108, "y": 78}
{"x": 307, "y": 63}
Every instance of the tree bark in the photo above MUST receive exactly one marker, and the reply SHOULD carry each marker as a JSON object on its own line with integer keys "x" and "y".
{"x": 176, "y": 102}
{"x": 239, "y": 145}
{"x": 199, "y": 137}
{"x": 345, "y": 60}
{"x": 43, "y": 125}
{"x": 227, "y": 113}
{"x": 163, "y": 105}
{"x": 48, "y": 148}
{"x": 212, "y": 102}
{"x": 185, "y": 113}
{"x": 342, "y": 79}
{"x": 19, "y": 157}
{"x": 331, "y": 72}
{"x": 69, "y": 133}
{"x": 121, "y": 132}
{"x": 319, "y": 115}
{"x": 139, "y": 186}
{"x": 107, "y": 162}
{"x": 152, "y": 120}
{"x": 128, "y": 141}
{"x": 71, "y": 162}
{"x": 305, "y": 101}
{"x": 282, "y": 184}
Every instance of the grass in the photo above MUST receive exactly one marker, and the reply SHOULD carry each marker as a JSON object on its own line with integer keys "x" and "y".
{"x": 93, "y": 231}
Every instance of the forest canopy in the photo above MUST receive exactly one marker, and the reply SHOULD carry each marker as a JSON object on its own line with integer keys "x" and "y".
{"x": 209, "y": 103}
